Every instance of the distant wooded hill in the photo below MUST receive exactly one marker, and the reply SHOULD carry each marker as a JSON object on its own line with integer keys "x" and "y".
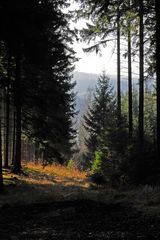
{"x": 85, "y": 80}
{"x": 89, "y": 80}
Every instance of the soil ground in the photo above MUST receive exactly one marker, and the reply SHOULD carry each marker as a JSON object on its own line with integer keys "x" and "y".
{"x": 71, "y": 219}
{"x": 78, "y": 219}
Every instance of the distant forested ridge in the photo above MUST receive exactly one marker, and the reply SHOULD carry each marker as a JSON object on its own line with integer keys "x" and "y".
{"x": 85, "y": 80}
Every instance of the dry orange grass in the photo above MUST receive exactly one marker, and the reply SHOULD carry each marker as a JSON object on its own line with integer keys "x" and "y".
{"x": 32, "y": 181}
{"x": 57, "y": 171}
{"x": 39, "y": 184}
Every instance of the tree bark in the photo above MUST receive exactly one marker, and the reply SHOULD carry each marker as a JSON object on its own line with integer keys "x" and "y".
{"x": 130, "y": 113}
{"x": 36, "y": 153}
{"x": 1, "y": 174}
{"x": 118, "y": 67}
{"x": 14, "y": 137}
{"x": 141, "y": 77}
{"x": 6, "y": 161}
{"x": 17, "y": 160}
{"x": 157, "y": 5}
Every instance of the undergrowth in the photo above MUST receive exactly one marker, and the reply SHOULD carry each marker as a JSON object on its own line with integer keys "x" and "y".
{"x": 59, "y": 183}
{"x": 56, "y": 170}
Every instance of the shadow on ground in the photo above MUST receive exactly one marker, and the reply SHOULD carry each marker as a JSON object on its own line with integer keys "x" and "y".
{"x": 41, "y": 207}
{"x": 78, "y": 219}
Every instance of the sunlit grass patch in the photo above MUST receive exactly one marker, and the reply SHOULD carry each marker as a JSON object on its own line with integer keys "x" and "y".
{"x": 52, "y": 183}
{"x": 36, "y": 181}
{"x": 56, "y": 183}
{"x": 9, "y": 178}
{"x": 56, "y": 170}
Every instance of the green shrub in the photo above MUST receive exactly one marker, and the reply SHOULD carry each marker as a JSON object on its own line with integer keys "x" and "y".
{"x": 97, "y": 163}
{"x": 97, "y": 174}
{"x": 70, "y": 164}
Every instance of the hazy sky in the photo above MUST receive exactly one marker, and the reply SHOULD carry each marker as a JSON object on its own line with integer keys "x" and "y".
{"x": 92, "y": 63}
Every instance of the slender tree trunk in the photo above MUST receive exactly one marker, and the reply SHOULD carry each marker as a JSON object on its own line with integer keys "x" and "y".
{"x": 130, "y": 111}
{"x": 1, "y": 174}
{"x": 14, "y": 138}
{"x": 28, "y": 151}
{"x": 1, "y": 123}
{"x": 36, "y": 153}
{"x": 17, "y": 161}
{"x": 118, "y": 67}
{"x": 3, "y": 126}
{"x": 158, "y": 76}
{"x": 141, "y": 77}
{"x": 6, "y": 161}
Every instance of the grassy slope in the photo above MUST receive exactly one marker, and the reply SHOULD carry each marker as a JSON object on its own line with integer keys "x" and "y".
{"x": 39, "y": 184}
{"x": 57, "y": 183}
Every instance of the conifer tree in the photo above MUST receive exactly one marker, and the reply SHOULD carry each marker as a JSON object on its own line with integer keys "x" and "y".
{"x": 37, "y": 35}
{"x": 99, "y": 117}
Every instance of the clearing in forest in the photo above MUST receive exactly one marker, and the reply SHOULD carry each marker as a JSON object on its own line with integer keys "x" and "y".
{"x": 60, "y": 203}
{"x": 50, "y": 183}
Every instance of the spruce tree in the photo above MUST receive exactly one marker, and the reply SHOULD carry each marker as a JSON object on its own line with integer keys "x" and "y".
{"x": 99, "y": 118}
{"x": 37, "y": 35}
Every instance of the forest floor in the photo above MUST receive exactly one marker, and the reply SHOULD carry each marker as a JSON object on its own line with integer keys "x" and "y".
{"x": 60, "y": 203}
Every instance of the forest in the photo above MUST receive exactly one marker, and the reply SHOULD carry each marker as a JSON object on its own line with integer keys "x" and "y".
{"x": 108, "y": 166}
{"x": 121, "y": 131}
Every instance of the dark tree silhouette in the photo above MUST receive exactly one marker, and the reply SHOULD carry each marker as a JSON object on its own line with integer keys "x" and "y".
{"x": 6, "y": 161}
{"x": 157, "y": 5}
{"x": 130, "y": 111}
{"x": 118, "y": 65}
{"x": 35, "y": 37}
{"x": 141, "y": 74}
{"x": 1, "y": 174}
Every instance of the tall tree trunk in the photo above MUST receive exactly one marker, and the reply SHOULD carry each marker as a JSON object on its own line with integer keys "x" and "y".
{"x": 130, "y": 111}
{"x": 14, "y": 137}
{"x": 158, "y": 76}
{"x": 17, "y": 161}
{"x": 6, "y": 161}
{"x": 3, "y": 126}
{"x": 141, "y": 76}
{"x": 1, "y": 174}
{"x": 118, "y": 67}
{"x": 36, "y": 153}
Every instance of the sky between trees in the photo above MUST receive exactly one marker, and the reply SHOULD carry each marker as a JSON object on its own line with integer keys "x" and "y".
{"x": 96, "y": 63}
